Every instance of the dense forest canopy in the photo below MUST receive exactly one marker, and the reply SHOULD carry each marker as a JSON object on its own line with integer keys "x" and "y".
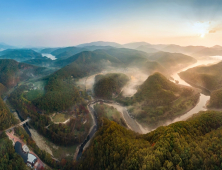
{"x": 6, "y": 117}
{"x": 109, "y": 85}
{"x": 20, "y": 54}
{"x": 209, "y": 77}
{"x": 215, "y": 99}
{"x": 9, "y": 159}
{"x": 172, "y": 61}
{"x": 192, "y": 144}
{"x": 11, "y": 72}
{"x": 158, "y": 99}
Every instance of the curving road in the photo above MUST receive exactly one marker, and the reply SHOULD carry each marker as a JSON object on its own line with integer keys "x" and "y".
{"x": 131, "y": 123}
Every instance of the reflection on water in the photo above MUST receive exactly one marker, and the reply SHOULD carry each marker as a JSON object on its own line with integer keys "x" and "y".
{"x": 198, "y": 63}
{"x": 199, "y": 107}
{"x": 204, "y": 96}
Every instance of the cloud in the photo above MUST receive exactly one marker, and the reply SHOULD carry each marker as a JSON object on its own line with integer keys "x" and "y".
{"x": 215, "y": 29}
{"x": 212, "y": 31}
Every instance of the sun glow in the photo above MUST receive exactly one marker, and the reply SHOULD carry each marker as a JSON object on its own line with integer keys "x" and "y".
{"x": 202, "y": 35}
{"x": 201, "y": 28}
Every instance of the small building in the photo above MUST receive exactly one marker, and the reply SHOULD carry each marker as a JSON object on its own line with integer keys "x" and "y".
{"x": 25, "y": 148}
{"x": 31, "y": 160}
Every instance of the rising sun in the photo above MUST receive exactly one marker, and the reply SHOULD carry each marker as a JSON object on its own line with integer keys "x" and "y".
{"x": 202, "y": 35}
{"x": 201, "y": 28}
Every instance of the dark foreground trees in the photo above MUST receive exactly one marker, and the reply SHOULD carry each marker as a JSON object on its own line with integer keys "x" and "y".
{"x": 193, "y": 144}
{"x": 9, "y": 159}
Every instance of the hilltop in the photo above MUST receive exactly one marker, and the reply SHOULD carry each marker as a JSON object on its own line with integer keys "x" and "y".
{"x": 19, "y": 54}
{"x": 11, "y": 72}
{"x": 109, "y": 85}
{"x": 215, "y": 99}
{"x": 208, "y": 77}
{"x": 172, "y": 61}
{"x": 158, "y": 99}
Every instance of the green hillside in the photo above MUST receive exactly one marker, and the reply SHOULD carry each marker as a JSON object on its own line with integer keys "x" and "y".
{"x": 88, "y": 57}
{"x": 128, "y": 57}
{"x": 109, "y": 112}
{"x": 6, "y": 117}
{"x": 48, "y": 50}
{"x": 63, "y": 53}
{"x": 215, "y": 99}
{"x": 193, "y": 144}
{"x": 209, "y": 77}
{"x": 43, "y": 62}
{"x": 172, "y": 61}
{"x": 158, "y": 99}
{"x": 20, "y": 54}
{"x": 9, "y": 159}
{"x": 157, "y": 87}
{"x": 11, "y": 71}
{"x": 60, "y": 94}
{"x": 109, "y": 85}
{"x": 153, "y": 66}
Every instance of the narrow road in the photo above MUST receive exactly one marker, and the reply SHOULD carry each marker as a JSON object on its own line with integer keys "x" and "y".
{"x": 131, "y": 123}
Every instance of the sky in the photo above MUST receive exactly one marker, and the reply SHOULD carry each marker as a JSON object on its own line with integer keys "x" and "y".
{"x": 71, "y": 22}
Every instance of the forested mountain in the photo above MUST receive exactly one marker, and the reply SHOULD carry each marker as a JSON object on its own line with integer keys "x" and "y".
{"x": 158, "y": 99}
{"x": 100, "y": 43}
{"x": 44, "y": 61}
{"x": 63, "y": 53}
{"x": 135, "y": 45}
{"x": 109, "y": 85}
{"x": 209, "y": 51}
{"x": 6, "y": 117}
{"x": 193, "y": 144}
{"x": 109, "y": 112}
{"x": 209, "y": 77}
{"x": 9, "y": 159}
{"x": 128, "y": 57}
{"x": 153, "y": 66}
{"x": 215, "y": 99}
{"x": 48, "y": 50}
{"x": 147, "y": 49}
{"x": 87, "y": 57}
{"x": 123, "y": 57}
{"x": 4, "y": 46}
{"x": 11, "y": 71}
{"x": 20, "y": 54}
{"x": 172, "y": 61}
{"x": 157, "y": 87}
{"x": 182, "y": 49}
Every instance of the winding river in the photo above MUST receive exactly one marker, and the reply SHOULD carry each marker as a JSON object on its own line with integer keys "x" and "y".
{"x": 135, "y": 126}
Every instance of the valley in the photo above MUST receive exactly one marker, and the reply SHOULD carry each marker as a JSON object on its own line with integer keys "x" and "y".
{"x": 70, "y": 99}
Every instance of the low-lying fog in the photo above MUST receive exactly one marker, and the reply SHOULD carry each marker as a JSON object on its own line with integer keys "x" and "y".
{"x": 136, "y": 76}
{"x": 205, "y": 61}
{"x": 52, "y": 57}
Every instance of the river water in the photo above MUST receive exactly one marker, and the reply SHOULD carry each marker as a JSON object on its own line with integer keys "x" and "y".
{"x": 204, "y": 97}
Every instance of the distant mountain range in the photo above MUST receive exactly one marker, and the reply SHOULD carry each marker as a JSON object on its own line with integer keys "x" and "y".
{"x": 66, "y": 52}
{"x": 4, "y": 46}
{"x": 19, "y": 54}
{"x": 101, "y": 43}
